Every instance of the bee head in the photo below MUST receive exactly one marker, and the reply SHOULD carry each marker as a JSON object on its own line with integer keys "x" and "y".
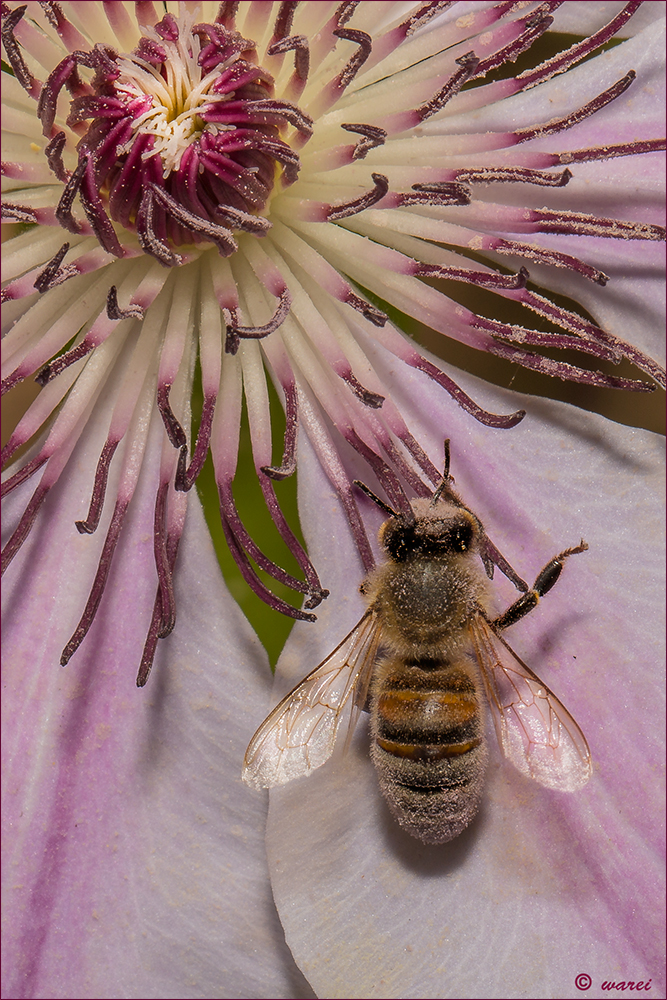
{"x": 433, "y": 531}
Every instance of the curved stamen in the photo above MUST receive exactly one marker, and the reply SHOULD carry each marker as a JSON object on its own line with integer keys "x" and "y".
{"x": 561, "y": 124}
{"x": 468, "y": 64}
{"x": 99, "y": 583}
{"x": 372, "y": 136}
{"x": 484, "y": 279}
{"x": 92, "y": 520}
{"x": 245, "y": 544}
{"x": 236, "y": 333}
{"x": 64, "y": 207}
{"x": 53, "y": 152}
{"x": 299, "y": 45}
{"x": 115, "y": 312}
{"x": 462, "y": 398}
{"x": 156, "y": 625}
{"x": 10, "y": 19}
{"x": 253, "y": 581}
{"x": 348, "y": 208}
{"x": 350, "y": 70}
{"x": 53, "y": 274}
{"x": 288, "y": 463}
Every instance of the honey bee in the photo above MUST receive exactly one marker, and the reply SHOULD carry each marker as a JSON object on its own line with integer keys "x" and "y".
{"x": 418, "y": 659}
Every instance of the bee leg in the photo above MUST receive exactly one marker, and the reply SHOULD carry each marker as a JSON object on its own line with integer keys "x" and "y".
{"x": 543, "y": 584}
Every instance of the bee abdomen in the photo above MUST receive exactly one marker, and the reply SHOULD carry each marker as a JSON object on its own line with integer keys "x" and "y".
{"x": 428, "y": 747}
{"x": 426, "y": 751}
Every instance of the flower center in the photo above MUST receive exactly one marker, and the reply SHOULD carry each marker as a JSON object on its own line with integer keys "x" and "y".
{"x": 185, "y": 138}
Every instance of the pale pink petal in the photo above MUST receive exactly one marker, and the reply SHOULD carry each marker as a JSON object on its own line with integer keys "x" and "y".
{"x": 135, "y": 861}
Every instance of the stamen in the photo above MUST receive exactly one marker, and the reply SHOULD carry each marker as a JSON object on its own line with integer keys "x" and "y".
{"x": 419, "y": 488}
{"x": 58, "y": 365}
{"x": 28, "y": 470}
{"x": 608, "y": 152}
{"x": 54, "y": 157}
{"x": 561, "y": 369}
{"x": 64, "y": 207}
{"x": 420, "y": 456}
{"x": 344, "y": 12}
{"x": 468, "y": 63}
{"x": 370, "y": 312}
{"x": 387, "y": 478}
{"x": 512, "y": 175}
{"x": 552, "y": 257}
{"x": 52, "y": 274}
{"x": 590, "y": 225}
{"x": 155, "y": 628}
{"x": 561, "y": 124}
{"x": 372, "y": 136}
{"x": 302, "y": 122}
{"x": 338, "y": 212}
{"x": 92, "y": 521}
{"x": 227, "y": 13}
{"x": 424, "y": 14}
{"x": 368, "y": 398}
{"x": 97, "y": 217}
{"x": 483, "y": 279}
{"x": 99, "y": 583}
{"x": 284, "y": 18}
{"x": 237, "y": 333}
{"x": 462, "y": 398}
{"x": 186, "y": 479}
{"x": 172, "y": 425}
{"x": 150, "y": 244}
{"x": 299, "y": 45}
{"x": 350, "y": 70}
{"x": 24, "y": 526}
{"x": 10, "y": 19}
{"x": 255, "y": 584}
{"x": 561, "y": 62}
{"x": 163, "y": 564}
{"x": 561, "y": 341}
{"x": 217, "y": 234}
{"x": 115, "y": 312}
{"x": 17, "y": 213}
{"x": 493, "y": 556}
{"x": 288, "y": 464}
{"x": 316, "y": 594}
{"x": 437, "y": 193}
{"x": 243, "y": 539}
{"x": 535, "y": 26}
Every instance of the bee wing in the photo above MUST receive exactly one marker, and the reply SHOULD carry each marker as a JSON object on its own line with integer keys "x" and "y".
{"x": 300, "y": 732}
{"x": 535, "y": 731}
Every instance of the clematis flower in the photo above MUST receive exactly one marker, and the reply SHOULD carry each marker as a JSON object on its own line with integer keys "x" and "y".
{"x": 210, "y": 193}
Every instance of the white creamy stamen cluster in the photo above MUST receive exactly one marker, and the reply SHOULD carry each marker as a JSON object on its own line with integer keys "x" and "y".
{"x": 173, "y": 117}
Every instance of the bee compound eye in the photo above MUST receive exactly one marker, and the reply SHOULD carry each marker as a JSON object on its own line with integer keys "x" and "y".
{"x": 397, "y": 538}
{"x": 461, "y": 537}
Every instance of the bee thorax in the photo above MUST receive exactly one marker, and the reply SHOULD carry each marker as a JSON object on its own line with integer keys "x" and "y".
{"x": 426, "y": 605}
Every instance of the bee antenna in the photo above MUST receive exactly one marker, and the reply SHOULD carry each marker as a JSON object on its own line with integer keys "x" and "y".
{"x": 381, "y": 504}
{"x": 446, "y": 478}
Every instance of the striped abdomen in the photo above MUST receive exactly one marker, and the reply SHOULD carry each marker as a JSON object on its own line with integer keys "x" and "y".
{"x": 428, "y": 744}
